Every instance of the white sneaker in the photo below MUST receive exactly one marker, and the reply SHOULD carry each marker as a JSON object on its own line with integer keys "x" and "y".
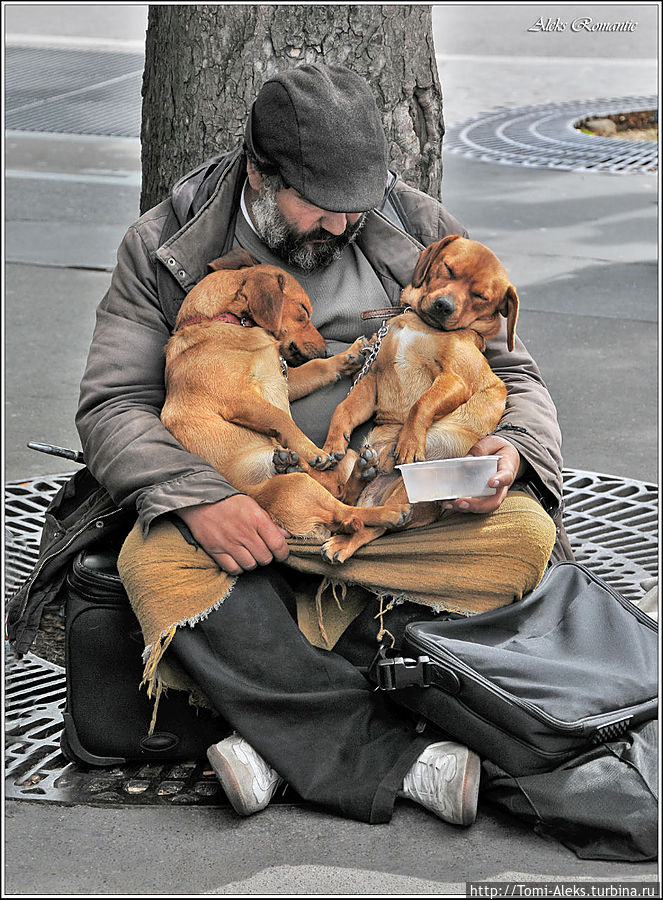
{"x": 249, "y": 783}
{"x": 445, "y": 780}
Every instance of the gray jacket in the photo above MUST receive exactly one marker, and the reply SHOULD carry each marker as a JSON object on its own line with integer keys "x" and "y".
{"x": 134, "y": 464}
{"x": 126, "y": 447}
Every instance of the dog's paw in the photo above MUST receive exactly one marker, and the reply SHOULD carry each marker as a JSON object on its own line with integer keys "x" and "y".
{"x": 336, "y": 446}
{"x": 401, "y": 515}
{"x": 366, "y": 466}
{"x": 352, "y": 359}
{"x": 328, "y": 552}
{"x": 286, "y": 461}
{"x": 409, "y": 449}
{"x": 323, "y": 461}
{"x": 386, "y": 458}
{"x": 333, "y": 551}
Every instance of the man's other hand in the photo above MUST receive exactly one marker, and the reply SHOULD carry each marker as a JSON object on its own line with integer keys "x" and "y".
{"x": 237, "y": 533}
{"x": 509, "y": 467}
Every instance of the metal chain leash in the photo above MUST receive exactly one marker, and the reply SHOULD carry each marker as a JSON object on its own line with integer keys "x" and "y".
{"x": 375, "y": 347}
{"x": 373, "y": 352}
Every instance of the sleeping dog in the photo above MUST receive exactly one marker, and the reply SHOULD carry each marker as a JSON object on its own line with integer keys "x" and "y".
{"x": 430, "y": 390}
{"x": 227, "y": 397}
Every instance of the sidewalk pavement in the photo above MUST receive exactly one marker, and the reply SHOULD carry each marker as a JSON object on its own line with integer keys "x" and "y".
{"x": 582, "y": 250}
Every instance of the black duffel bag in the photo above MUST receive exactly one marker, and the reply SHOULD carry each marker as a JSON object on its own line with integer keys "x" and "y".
{"x": 532, "y": 684}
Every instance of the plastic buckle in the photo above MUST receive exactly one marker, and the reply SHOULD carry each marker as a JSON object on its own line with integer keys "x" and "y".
{"x": 401, "y": 672}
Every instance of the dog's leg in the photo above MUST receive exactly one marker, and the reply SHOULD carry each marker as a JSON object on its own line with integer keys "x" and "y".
{"x": 357, "y": 407}
{"x": 456, "y": 433}
{"x": 382, "y": 441}
{"x": 305, "y": 508}
{"x": 340, "y": 547}
{"x": 446, "y": 394}
{"x": 335, "y": 479}
{"x": 348, "y": 478}
{"x": 252, "y": 411}
{"x": 364, "y": 470}
{"x": 316, "y": 373}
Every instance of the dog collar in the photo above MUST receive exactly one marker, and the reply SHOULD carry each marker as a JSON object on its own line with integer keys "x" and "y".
{"x": 385, "y": 313}
{"x": 229, "y": 317}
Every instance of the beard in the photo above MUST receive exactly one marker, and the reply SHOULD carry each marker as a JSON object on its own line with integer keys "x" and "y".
{"x": 285, "y": 241}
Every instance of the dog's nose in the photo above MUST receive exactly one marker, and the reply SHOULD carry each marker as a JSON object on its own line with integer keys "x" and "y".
{"x": 443, "y": 306}
{"x": 304, "y": 352}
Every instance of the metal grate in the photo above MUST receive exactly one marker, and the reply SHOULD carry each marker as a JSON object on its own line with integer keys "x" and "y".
{"x": 25, "y": 505}
{"x": 545, "y": 137}
{"x": 73, "y": 91}
{"x": 612, "y": 524}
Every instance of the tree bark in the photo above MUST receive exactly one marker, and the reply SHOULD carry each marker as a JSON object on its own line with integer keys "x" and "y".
{"x": 205, "y": 64}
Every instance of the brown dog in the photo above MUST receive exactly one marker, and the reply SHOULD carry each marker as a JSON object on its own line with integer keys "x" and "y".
{"x": 227, "y": 398}
{"x": 430, "y": 388}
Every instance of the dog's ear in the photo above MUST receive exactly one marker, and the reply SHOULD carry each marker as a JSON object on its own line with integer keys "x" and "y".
{"x": 509, "y": 309}
{"x": 265, "y": 300}
{"x": 235, "y": 259}
{"x": 426, "y": 259}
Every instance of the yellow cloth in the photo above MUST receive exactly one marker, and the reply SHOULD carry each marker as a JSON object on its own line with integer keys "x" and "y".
{"x": 463, "y": 562}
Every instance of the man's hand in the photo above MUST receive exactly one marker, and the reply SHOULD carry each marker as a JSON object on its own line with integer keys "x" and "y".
{"x": 237, "y": 533}
{"x": 509, "y": 467}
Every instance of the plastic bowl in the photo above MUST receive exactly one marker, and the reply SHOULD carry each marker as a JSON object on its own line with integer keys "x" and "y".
{"x": 447, "y": 479}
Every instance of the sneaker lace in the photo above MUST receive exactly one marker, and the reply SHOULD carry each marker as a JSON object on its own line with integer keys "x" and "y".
{"x": 431, "y": 777}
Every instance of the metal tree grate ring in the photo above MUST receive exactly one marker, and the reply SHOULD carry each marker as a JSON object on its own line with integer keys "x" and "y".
{"x": 612, "y": 525}
{"x": 545, "y": 137}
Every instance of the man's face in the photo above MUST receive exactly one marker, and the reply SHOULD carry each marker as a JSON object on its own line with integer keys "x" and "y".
{"x": 304, "y": 235}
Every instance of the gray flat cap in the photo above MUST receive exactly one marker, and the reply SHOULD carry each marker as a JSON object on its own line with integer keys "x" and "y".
{"x": 319, "y": 126}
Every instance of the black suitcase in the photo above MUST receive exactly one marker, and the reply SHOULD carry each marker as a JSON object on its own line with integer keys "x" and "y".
{"x": 533, "y": 684}
{"x": 107, "y": 717}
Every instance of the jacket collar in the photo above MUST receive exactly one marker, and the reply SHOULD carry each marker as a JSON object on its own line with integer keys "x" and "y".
{"x": 390, "y": 251}
{"x": 210, "y": 232}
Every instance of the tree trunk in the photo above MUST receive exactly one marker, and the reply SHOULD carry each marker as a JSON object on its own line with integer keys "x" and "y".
{"x": 205, "y": 64}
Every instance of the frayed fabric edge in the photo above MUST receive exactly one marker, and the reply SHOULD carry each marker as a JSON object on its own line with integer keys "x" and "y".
{"x": 153, "y": 654}
{"x": 387, "y": 600}
{"x": 437, "y": 606}
{"x": 393, "y": 600}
